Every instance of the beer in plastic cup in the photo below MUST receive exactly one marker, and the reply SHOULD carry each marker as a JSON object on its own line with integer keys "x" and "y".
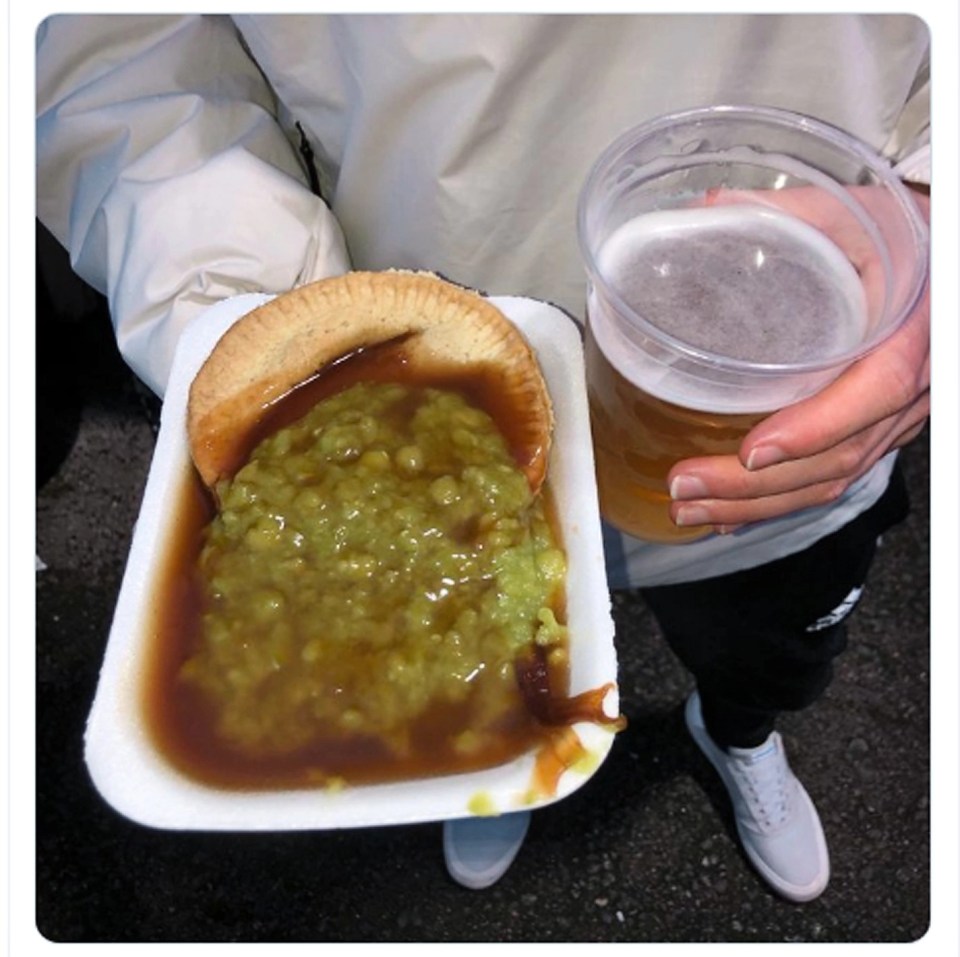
{"x": 738, "y": 260}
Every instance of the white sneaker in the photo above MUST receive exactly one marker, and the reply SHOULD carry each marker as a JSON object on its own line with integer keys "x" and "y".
{"x": 776, "y": 820}
{"x": 478, "y": 850}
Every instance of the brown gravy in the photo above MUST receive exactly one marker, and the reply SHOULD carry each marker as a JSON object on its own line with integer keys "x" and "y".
{"x": 180, "y": 721}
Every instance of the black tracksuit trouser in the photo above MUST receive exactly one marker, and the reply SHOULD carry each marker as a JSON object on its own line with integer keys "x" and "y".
{"x": 762, "y": 641}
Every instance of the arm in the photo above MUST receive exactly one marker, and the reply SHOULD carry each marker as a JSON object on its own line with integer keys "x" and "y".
{"x": 163, "y": 170}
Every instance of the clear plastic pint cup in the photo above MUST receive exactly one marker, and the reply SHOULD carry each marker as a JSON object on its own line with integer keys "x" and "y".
{"x": 738, "y": 259}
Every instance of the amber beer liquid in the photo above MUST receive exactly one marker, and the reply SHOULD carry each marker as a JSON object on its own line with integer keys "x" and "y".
{"x": 637, "y": 440}
{"x": 745, "y": 286}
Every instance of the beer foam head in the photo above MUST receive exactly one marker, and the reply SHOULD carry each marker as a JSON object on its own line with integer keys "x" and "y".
{"x": 744, "y": 282}
{"x": 730, "y": 286}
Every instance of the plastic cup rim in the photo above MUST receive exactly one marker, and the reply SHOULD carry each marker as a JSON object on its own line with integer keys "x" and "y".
{"x": 783, "y": 118}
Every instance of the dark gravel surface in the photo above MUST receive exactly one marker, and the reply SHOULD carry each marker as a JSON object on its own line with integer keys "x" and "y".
{"x": 643, "y": 852}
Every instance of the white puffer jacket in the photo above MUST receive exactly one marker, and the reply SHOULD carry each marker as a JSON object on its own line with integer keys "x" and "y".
{"x": 171, "y": 156}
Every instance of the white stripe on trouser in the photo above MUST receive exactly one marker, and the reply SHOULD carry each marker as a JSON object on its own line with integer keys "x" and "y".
{"x": 838, "y": 613}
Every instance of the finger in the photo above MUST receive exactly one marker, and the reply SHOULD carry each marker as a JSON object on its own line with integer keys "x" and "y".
{"x": 874, "y": 389}
{"x": 731, "y": 513}
{"x": 727, "y": 515}
{"x": 909, "y": 434}
{"x": 724, "y": 478}
{"x": 732, "y": 483}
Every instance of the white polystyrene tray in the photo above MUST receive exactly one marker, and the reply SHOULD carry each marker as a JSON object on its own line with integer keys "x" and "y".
{"x": 135, "y": 778}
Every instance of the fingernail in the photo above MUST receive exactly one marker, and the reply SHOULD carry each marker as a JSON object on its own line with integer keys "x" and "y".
{"x": 686, "y": 487}
{"x": 764, "y": 456}
{"x": 692, "y": 515}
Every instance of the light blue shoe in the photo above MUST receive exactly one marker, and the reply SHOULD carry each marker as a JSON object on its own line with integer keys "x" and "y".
{"x": 479, "y": 850}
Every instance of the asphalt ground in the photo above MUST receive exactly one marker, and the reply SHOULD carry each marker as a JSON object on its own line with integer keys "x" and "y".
{"x": 644, "y": 852}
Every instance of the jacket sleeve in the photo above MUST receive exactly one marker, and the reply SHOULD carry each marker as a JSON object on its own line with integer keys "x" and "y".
{"x": 164, "y": 172}
{"x": 909, "y": 144}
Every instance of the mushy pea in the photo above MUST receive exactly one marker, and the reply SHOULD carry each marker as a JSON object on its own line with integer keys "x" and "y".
{"x": 380, "y": 556}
